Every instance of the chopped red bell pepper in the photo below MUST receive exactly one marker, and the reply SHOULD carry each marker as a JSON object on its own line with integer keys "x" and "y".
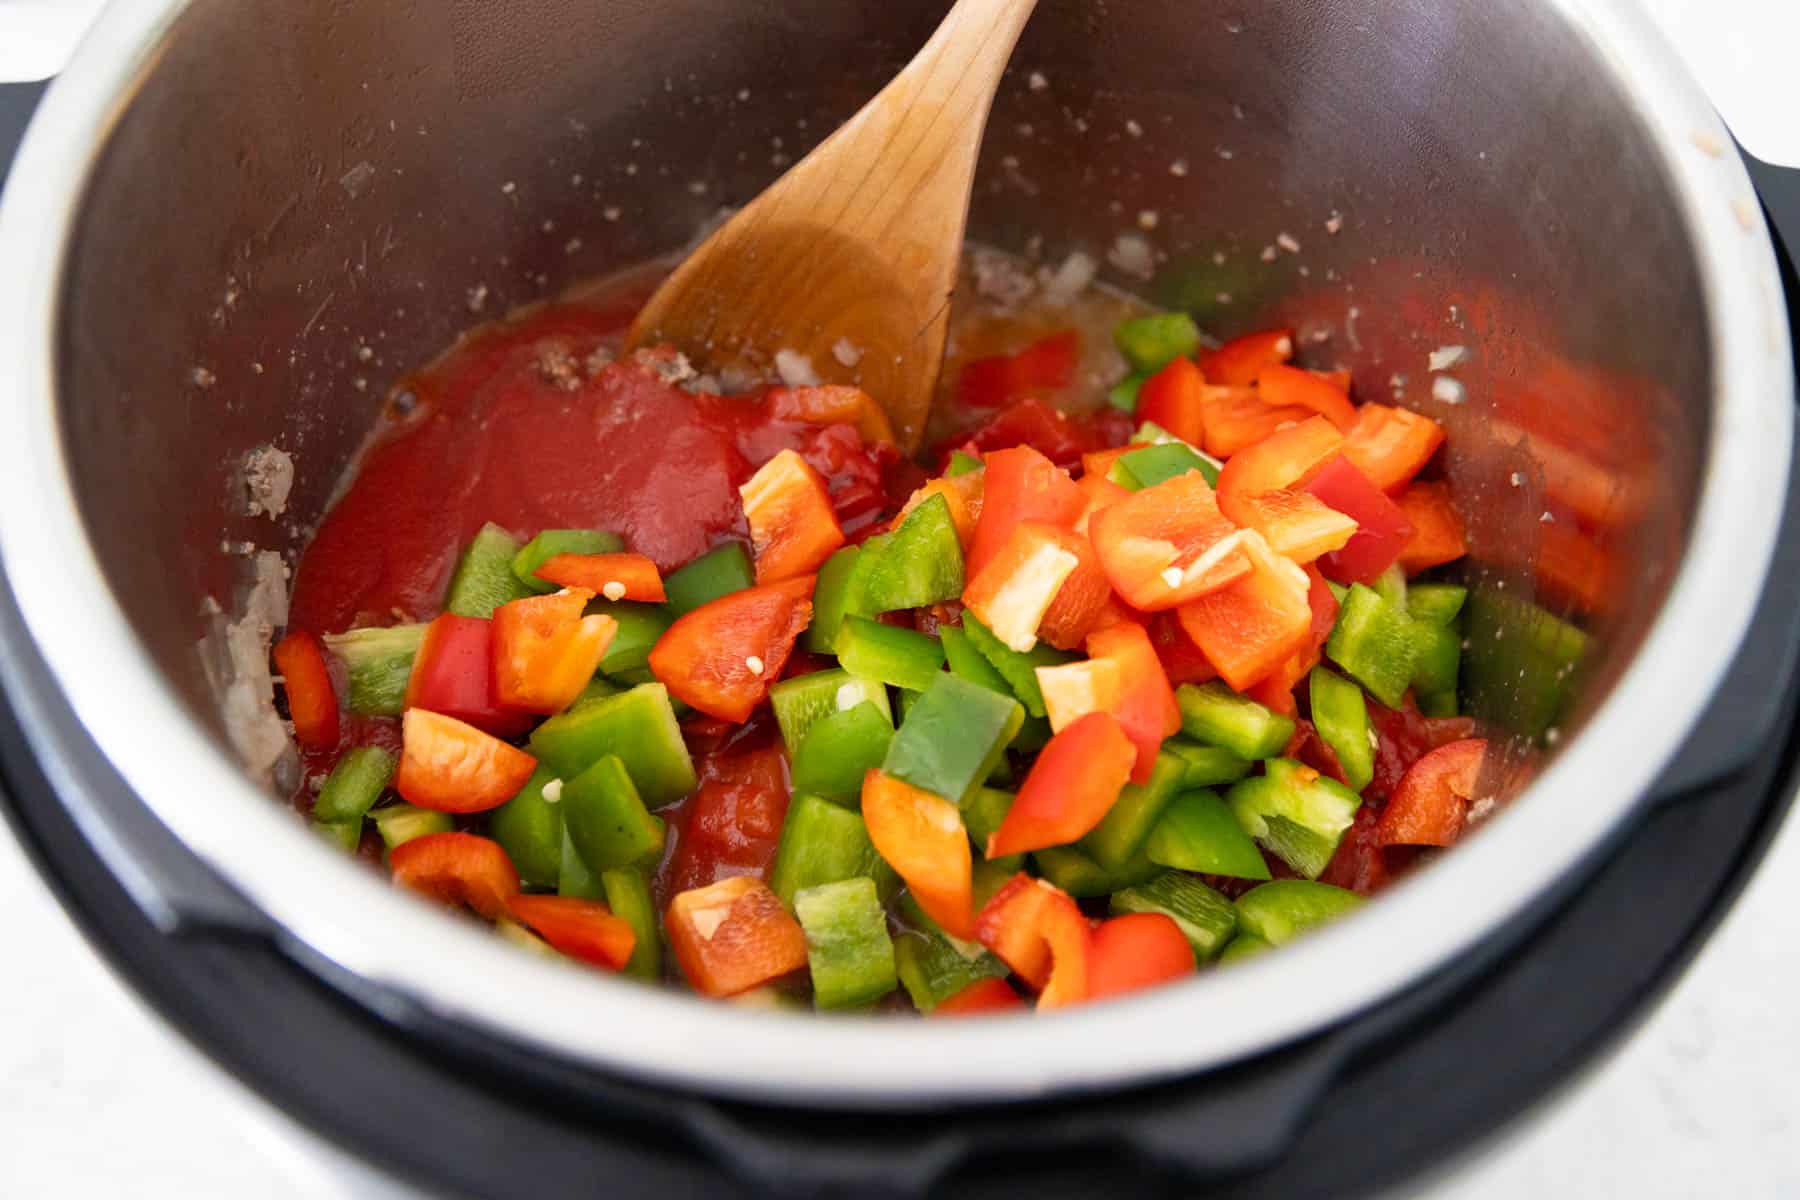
{"x": 312, "y": 701}
{"x": 1402, "y": 737}
{"x": 982, "y": 996}
{"x": 1248, "y": 629}
{"x": 1070, "y": 788}
{"x": 1432, "y": 801}
{"x": 1382, "y": 529}
{"x": 792, "y": 526}
{"x": 545, "y": 651}
{"x": 450, "y": 766}
{"x": 582, "y": 929}
{"x": 1013, "y": 593}
{"x": 1045, "y": 365}
{"x": 1146, "y": 709}
{"x": 1080, "y": 600}
{"x": 1437, "y": 527}
{"x": 1167, "y": 544}
{"x": 1135, "y": 951}
{"x": 1073, "y": 690}
{"x": 453, "y": 674}
{"x": 1238, "y": 418}
{"x": 614, "y": 576}
{"x": 1172, "y": 398}
{"x": 1281, "y": 462}
{"x": 1391, "y": 445}
{"x": 1035, "y": 424}
{"x": 457, "y": 869}
{"x": 1036, "y": 929}
{"x": 1183, "y": 662}
{"x": 1290, "y": 387}
{"x": 1099, "y": 462}
{"x": 833, "y": 404}
{"x": 1238, "y": 362}
{"x": 1277, "y": 691}
{"x": 1296, "y": 524}
{"x": 1339, "y": 378}
{"x": 922, "y": 837}
{"x": 722, "y": 657}
{"x": 1020, "y": 485}
{"x": 1097, "y": 492}
{"x": 733, "y": 935}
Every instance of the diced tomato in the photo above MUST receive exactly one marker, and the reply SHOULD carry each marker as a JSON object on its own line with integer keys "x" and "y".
{"x": 733, "y": 936}
{"x": 1073, "y": 690}
{"x": 1045, "y": 365}
{"x": 1135, "y": 951}
{"x": 1081, "y": 599}
{"x": 1248, "y": 629}
{"x": 792, "y": 526}
{"x": 963, "y": 495}
{"x": 1290, "y": 387}
{"x": 614, "y": 576}
{"x": 1035, "y": 424}
{"x": 1381, "y": 528}
{"x": 1183, "y": 662}
{"x": 1390, "y": 445}
{"x": 1021, "y": 485}
{"x": 453, "y": 767}
{"x": 1402, "y": 737}
{"x": 922, "y": 837}
{"x": 1306, "y": 746}
{"x": 1097, "y": 492}
{"x": 1146, "y": 709}
{"x": 731, "y": 825}
{"x": 545, "y": 651}
{"x": 1167, "y": 544}
{"x": 579, "y": 928}
{"x": 1360, "y": 862}
{"x": 1238, "y": 418}
{"x": 1036, "y": 929}
{"x": 312, "y": 702}
{"x": 1297, "y": 525}
{"x": 1070, "y": 788}
{"x": 453, "y": 674}
{"x": 1171, "y": 398}
{"x": 1432, "y": 801}
{"x": 982, "y": 996}
{"x": 722, "y": 657}
{"x": 1437, "y": 536}
{"x": 1280, "y": 462}
{"x": 457, "y": 869}
{"x": 1013, "y": 592}
{"x": 831, "y": 405}
{"x": 1238, "y": 362}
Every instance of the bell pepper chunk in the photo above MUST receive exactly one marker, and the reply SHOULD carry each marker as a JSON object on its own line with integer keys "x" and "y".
{"x": 733, "y": 935}
{"x": 1150, "y": 343}
{"x": 918, "y": 564}
{"x": 606, "y": 819}
{"x": 612, "y": 576}
{"x": 354, "y": 785}
{"x": 1146, "y": 708}
{"x": 1020, "y": 485}
{"x": 1079, "y": 603}
{"x": 1182, "y": 661}
{"x": 398, "y": 824}
{"x": 902, "y": 658}
{"x": 1341, "y": 716}
{"x": 1297, "y": 525}
{"x": 1073, "y": 690}
{"x": 581, "y": 929}
{"x": 529, "y": 827}
{"x": 999, "y": 380}
{"x": 549, "y": 543}
{"x": 922, "y": 837}
{"x": 722, "y": 657}
{"x": 1075, "y": 871}
{"x": 1205, "y": 918}
{"x": 1036, "y": 929}
{"x": 638, "y": 726}
{"x": 833, "y": 404}
{"x": 953, "y": 737}
{"x": 1391, "y": 445}
{"x": 1295, "y": 813}
{"x": 822, "y": 843}
{"x": 1097, "y": 492}
{"x": 1377, "y": 644}
{"x": 457, "y": 869}
{"x": 1281, "y": 462}
{"x": 831, "y": 599}
{"x": 982, "y": 996}
{"x": 1074, "y": 782}
{"x": 840, "y": 749}
{"x": 1168, "y": 544}
{"x": 1214, "y": 714}
{"x": 1172, "y": 398}
{"x": 1437, "y": 536}
{"x": 627, "y": 893}
{"x": 1432, "y": 802}
{"x": 1238, "y": 418}
{"x": 453, "y": 674}
{"x": 719, "y": 572}
{"x": 453, "y": 767}
{"x": 962, "y": 495}
{"x": 1198, "y": 832}
{"x": 848, "y": 950}
{"x": 377, "y": 660}
{"x": 1238, "y": 362}
{"x": 1278, "y": 912}
{"x": 1207, "y": 766}
{"x": 1382, "y": 529}
{"x": 792, "y": 525}
{"x": 1135, "y": 951}
{"x": 804, "y": 700}
{"x": 1122, "y": 834}
{"x": 1018, "y": 670}
{"x": 1250, "y": 628}
{"x": 1015, "y": 590}
{"x": 484, "y": 578}
{"x": 1290, "y": 387}
{"x": 545, "y": 651}
{"x": 312, "y": 701}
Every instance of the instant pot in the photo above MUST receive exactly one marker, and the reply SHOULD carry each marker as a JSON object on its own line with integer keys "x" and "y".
{"x": 232, "y": 226}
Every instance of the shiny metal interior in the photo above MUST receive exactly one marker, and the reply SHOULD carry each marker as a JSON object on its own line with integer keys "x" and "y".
{"x": 291, "y": 209}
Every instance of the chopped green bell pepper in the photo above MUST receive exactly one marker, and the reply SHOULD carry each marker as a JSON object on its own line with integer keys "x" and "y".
{"x": 917, "y": 564}
{"x": 822, "y": 843}
{"x": 530, "y": 829}
{"x": 1214, "y": 714}
{"x": 889, "y": 654}
{"x": 831, "y": 597}
{"x": 1341, "y": 716}
{"x": 627, "y": 892}
{"x": 379, "y": 661}
{"x": 933, "y": 967}
{"x": 1295, "y": 813}
{"x": 1436, "y": 668}
{"x": 1151, "y": 465}
{"x": 966, "y": 662}
{"x": 1523, "y": 664}
{"x": 641, "y": 626}
{"x": 1127, "y": 824}
{"x": 839, "y": 750}
{"x": 606, "y": 817}
{"x": 1281, "y": 911}
{"x": 961, "y": 463}
{"x": 1376, "y": 643}
{"x": 354, "y": 785}
{"x": 574, "y": 878}
{"x": 1123, "y": 395}
{"x": 1204, "y": 917}
{"x": 345, "y": 835}
{"x": 595, "y": 690}
{"x": 1079, "y": 875}
{"x": 1198, "y": 833}
{"x": 848, "y": 950}
{"x": 399, "y": 824}
{"x": 551, "y": 542}
{"x": 1435, "y": 603}
{"x": 484, "y": 578}
{"x": 638, "y": 726}
{"x": 805, "y": 700}
{"x": 1244, "y": 945}
{"x": 719, "y": 572}
{"x": 1019, "y": 670}
{"x": 1207, "y": 766}
{"x": 953, "y": 737}
{"x": 1151, "y": 343}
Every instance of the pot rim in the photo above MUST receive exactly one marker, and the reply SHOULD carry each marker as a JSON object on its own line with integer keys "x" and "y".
{"x": 323, "y": 902}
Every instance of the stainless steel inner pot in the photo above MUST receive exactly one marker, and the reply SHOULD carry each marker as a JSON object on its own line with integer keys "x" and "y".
{"x": 234, "y": 225}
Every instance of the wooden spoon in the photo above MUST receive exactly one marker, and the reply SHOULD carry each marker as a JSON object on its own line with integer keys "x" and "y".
{"x": 851, "y": 257}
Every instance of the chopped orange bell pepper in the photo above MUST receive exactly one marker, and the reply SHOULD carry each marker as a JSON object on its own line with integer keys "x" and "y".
{"x": 583, "y": 929}
{"x": 1082, "y": 598}
{"x": 1097, "y": 492}
{"x": 1036, "y": 929}
{"x": 1014, "y": 591}
{"x": 1073, "y": 690}
{"x": 1297, "y": 525}
{"x": 1238, "y": 362}
{"x": 1099, "y": 462}
{"x": 1281, "y": 462}
{"x": 922, "y": 837}
{"x": 1134, "y": 951}
{"x": 545, "y": 651}
{"x": 452, "y": 767}
{"x": 792, "y": 526}
{"x": 1431, "y": 803}
{"x": 733, "y": 935}
{"x": 1390, "y": 445}
{"x": 1437, "y": 536}
{"x": 312, "y": 702}
{"x": 982, "y": 996}
{"x": 453, "y": 674}
{"x": 1167, "y": 544}
{"x": 1069, "y": 789}
{"x": 614, "y": 576}
{"x": 1171, "y": 398}
{"x": 722, "y": 657}
{"x": 1146, "y": 709}
{"x": 1249, "y": 629}
{"x": 1021, "y": 485}
{"x": 1287, "y": 387}
{"x": 1238, "y": 418}
{"x": 1277, "y": 691}
{"x": 833, "y": 404}
{"x": 457, "y": 869}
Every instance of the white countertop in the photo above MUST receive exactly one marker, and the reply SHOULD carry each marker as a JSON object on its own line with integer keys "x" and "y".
{"x": 97, "y": 1098}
